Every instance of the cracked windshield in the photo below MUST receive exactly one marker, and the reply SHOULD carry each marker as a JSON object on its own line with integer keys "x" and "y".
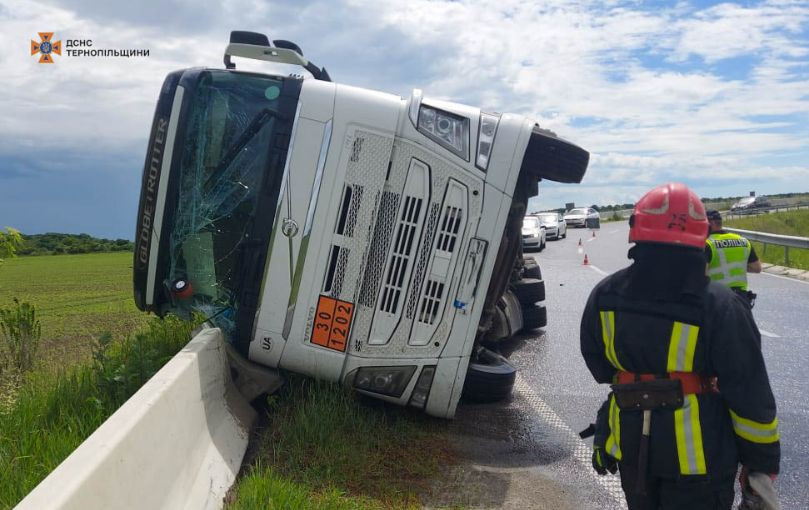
{"x": 232, "y": 118}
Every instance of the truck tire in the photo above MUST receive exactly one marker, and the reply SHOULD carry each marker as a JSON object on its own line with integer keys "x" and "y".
{"x": 489, "y": 378}
{"x": 529, "y": 290}
{"x": 531, "y": 269}
{"x": 534, "y": 316}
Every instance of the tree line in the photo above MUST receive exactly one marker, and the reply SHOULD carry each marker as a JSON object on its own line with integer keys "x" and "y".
{"x": 59, "y": 244}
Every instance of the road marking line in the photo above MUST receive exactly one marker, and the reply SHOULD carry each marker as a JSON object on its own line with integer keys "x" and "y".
{"x": 581, "y": 451}
{"x": 767, "y": 333}
{"x": 591, "y": 239}
{"x": 599, "y": 271}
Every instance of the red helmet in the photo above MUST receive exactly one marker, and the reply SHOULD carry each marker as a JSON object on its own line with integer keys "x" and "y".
{"x": 669, "y": 214}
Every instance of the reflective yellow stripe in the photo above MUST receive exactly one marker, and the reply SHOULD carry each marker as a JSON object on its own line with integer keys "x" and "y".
{"x": 613, "y": 445}
{"x": 682, "y": 346}
{"x": 674, "y": 347}
{"x": 688, "y": 433}
{"x": 755, "y": 432}
{"x": 608, "y": 335}
{"x": 687, "y": 429}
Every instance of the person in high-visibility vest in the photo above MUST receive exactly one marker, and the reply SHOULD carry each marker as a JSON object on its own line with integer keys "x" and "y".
{"x": 691, "y": 398}
{"x": 729, "y": 256}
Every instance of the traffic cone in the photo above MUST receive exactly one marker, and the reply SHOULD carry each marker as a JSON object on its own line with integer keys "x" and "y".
{"x": 594, "y": 233}
{"x": 580, "y": 241}
{"x": 586, "y": 261}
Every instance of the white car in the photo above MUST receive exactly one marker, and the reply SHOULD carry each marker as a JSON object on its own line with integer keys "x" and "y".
{"x": 554, "y": 223}
{"x": 583, "y": 217}
{"x": 533, "y": 233}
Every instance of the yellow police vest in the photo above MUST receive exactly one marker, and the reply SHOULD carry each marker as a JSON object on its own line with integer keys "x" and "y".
{"x": 729, "y": 254}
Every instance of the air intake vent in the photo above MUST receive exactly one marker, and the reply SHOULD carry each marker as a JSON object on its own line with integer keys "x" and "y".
{"x": 431, "y": 302}
{"x": 449, "y": 229}
{"x": 383, "y": 231}
{"x": 423, "y": 259}
{"x": 403, "y": 244}
{"x": 401, "y": 253}
{"x": 352, "y": 199}
{"x": 443, "y": 258}
{"x": 336, "y": 270}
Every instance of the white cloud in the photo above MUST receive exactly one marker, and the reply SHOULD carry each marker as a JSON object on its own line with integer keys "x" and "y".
{"x": 650, "y": 91}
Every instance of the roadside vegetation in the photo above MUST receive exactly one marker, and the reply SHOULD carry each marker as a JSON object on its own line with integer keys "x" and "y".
{"x": 59, "y": 244}
{"x": 52, "y": 414}
{"x": 72, "y": 320}
{"x": 791, "y": 223}
{"x": 324, "y": 447}
{"x": 77, "y": 297}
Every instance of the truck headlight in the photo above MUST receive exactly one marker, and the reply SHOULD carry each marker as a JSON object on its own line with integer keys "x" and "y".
{"x": 449, "y": 130}
{"x": 389, "y": 381}
{"x": 488, "y": 128}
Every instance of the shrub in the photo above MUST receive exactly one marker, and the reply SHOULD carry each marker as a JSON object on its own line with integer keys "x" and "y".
{"x": 21, "y": 332}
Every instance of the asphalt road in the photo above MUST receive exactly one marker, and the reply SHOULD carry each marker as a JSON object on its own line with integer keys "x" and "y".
{"x": 553, "y": 372}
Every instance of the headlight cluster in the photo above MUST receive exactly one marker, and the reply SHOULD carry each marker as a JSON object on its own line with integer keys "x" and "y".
{"x": 389, "y": 381}
{"x": 451, "y": 130}
{"x": 448, "y": 129}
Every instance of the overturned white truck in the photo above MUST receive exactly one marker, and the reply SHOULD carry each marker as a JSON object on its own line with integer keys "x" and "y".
{"x": 343, "y": 233}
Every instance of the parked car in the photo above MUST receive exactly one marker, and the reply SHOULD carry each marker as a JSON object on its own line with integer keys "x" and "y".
{"x": 554, "y": 223}
{"x": 750, "y": 203}
{"x": 583, "y": 217}
{"x": 533, "y": 233}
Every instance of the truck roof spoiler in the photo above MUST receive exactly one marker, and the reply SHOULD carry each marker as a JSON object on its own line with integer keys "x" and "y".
{"x": 257, "y": 47}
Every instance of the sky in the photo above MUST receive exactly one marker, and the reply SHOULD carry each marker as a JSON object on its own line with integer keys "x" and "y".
{"x": 712, "y": 94}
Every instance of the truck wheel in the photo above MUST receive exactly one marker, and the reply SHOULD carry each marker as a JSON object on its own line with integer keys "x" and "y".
{"x": 531, "y": 269}
{"x": 489, "y": 378}
{"x": 534, "y": 316}
{"x": 529, "y": 290}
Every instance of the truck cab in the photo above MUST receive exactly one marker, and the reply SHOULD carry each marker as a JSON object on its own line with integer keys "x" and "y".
{"x": 333, "y": 231}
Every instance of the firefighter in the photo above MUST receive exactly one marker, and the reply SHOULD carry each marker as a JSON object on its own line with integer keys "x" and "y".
{"x": 690, "y": 396}
{"x": 730, "y": 257}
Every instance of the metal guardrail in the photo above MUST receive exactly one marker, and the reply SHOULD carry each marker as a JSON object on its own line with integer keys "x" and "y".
{"x": 741, "y": 213}
{"x": 780, "y": 240}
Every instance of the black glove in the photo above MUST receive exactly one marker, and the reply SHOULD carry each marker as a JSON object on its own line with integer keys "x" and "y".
{"x": 603, "y": 462}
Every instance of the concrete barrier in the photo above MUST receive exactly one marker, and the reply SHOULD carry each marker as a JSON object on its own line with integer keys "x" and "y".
{"x": 177, "y": 443}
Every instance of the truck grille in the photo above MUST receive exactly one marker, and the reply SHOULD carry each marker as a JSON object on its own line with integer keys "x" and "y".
{"x": 397, "y": 267}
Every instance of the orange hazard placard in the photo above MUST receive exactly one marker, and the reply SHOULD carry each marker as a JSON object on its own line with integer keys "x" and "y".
{"x": 332, "y": 322}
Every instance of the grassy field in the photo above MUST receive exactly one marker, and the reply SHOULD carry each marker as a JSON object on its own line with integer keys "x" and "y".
{"x": 792, "y": 223}
{"x": 77, "y": 298}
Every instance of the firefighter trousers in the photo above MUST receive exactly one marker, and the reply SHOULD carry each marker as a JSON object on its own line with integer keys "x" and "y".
{"x": 677, "y": 494}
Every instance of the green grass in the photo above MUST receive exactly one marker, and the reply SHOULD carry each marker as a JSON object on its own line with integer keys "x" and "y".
{"x": 325, "y": 448}
{"x": 792, "y": 223}
{"x": 52, "y": 414}
{"x": 77, "y": 298}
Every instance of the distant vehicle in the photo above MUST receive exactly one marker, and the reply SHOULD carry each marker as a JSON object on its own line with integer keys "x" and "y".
{"x": 583, "y": 217}
{"x": 554, "y": 223}
{"x": 533, "y": 233}
{"x": 750, "y": 203}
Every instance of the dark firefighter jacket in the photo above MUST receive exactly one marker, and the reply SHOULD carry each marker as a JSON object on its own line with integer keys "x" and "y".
{"x": 662, "y": 314}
